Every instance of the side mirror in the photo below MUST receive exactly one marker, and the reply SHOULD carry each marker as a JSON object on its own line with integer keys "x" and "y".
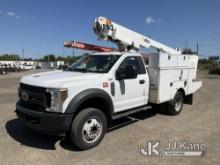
{"x": 129, "y": 72}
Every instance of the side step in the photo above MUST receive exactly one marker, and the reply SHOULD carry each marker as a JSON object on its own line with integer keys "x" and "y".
{"x": 129, "y": 112}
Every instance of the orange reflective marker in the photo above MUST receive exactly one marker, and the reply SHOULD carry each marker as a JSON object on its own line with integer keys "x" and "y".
{"x": 105, "y": 84}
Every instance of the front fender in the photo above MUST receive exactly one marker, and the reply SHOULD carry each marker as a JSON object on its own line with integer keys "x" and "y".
{"x": 89, "y": 94}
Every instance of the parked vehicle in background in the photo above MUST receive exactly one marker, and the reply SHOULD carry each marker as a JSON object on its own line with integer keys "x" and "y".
{"x": 38, "y": 67}
{"x": 214, "y": 71}
{"x": 13, "y": 68}
{"x": 2, "y": 69}
{"x": 27, "y": 66}
{"x": 62, "y": 67}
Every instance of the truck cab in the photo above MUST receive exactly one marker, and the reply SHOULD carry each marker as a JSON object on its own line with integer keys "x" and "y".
{"x": 112, "y": 82}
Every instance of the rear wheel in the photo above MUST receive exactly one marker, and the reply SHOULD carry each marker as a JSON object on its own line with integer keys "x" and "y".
{"x": 175, "y": 106}
{"x": 88, "y": 128}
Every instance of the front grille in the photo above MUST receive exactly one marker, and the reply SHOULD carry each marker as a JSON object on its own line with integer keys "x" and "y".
{"x": 37, "y": 97}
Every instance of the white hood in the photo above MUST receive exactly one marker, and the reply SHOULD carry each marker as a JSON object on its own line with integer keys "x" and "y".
{"x": 55, "y": 79}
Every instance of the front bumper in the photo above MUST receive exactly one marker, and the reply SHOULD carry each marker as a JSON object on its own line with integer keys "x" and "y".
{"x": 44, "y": 122}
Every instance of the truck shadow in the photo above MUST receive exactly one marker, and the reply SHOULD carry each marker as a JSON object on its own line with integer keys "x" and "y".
{"x": 17, "y": 130}
{"x": 122, "y": 122}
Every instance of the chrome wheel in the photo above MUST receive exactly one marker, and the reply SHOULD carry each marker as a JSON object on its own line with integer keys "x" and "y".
{"x": 178, "y": 104}
{"x": 92, "y": 130}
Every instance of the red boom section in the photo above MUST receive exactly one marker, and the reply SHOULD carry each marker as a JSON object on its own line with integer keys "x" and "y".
{"x": 81, "y": 45}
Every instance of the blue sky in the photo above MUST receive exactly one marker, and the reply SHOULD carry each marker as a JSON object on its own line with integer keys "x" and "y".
{"x": 41, "y": 26}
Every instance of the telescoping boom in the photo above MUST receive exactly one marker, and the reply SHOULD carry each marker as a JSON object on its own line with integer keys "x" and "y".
{"x": 125, "y": 38}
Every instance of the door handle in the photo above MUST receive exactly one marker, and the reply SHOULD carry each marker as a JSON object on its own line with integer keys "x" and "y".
{"x": 141, "y": 81}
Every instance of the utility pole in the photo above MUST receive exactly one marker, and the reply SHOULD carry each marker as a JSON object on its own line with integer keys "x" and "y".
{"x": 73, "y": 54}
{"x": 197, "y": 48}
{"x": 187, "y": 43}
{"x": 63, "y": 51}
{"x": 23, "y": 54}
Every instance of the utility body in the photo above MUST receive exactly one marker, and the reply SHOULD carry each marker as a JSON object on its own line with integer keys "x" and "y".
{"x": 100, "y": 87}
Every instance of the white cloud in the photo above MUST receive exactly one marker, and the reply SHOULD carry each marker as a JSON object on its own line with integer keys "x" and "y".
{"x": 14, "y": 15}
{"x": 150, "y": 20}
{"x": 11, "y": 14}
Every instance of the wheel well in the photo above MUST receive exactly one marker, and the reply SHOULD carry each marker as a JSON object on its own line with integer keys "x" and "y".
{"x": 182, "y": 91}
{"x": 187, "y": 99}
{"x": 98, "y": 103}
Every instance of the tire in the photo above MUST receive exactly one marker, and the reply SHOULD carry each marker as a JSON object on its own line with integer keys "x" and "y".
{"x": 81, "y": 132}
{"x": 175, "y": 106}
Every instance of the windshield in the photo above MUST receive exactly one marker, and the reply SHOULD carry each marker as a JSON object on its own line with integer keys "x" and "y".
{"x": 94, "y": 63}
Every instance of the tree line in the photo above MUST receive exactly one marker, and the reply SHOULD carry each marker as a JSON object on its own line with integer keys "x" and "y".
{"x": 9, "y": 57}
{"x": 205, "y": 64}
{"x": 50, "y": 57}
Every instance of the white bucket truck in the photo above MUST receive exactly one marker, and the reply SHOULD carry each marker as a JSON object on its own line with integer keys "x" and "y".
{"x": 101, "y": 87}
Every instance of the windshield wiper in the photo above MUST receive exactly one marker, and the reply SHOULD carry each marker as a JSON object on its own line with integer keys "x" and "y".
{"x": 83, "y": 70}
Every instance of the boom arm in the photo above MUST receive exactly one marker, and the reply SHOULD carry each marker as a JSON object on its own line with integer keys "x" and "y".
{"x": 125, "y": 38}
{"x": 85, "y": 46}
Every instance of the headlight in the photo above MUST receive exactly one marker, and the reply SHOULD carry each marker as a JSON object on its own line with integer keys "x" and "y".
{"x": 57, "y": 97}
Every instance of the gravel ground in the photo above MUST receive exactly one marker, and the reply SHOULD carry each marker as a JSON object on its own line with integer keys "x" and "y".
{"x": 198, "y": 123}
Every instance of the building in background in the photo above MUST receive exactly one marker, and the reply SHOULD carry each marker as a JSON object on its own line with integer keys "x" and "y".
{"x": 214, "y": 58}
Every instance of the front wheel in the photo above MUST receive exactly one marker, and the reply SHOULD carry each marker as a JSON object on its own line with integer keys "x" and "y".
{"x": 175, "y": 106}
{"x": 88, "y": 128}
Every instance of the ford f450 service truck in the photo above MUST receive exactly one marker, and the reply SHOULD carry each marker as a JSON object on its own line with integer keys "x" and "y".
{"x": 101, "y": 87}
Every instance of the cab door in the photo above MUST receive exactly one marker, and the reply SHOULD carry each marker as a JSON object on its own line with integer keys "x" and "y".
{"x": 131, "y": 92}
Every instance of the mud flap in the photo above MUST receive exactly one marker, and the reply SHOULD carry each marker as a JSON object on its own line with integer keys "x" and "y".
{"x": 188, "y": 99}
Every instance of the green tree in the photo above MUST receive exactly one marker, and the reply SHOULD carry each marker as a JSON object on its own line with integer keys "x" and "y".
{"x": 9, "y": 57}
{"x": 49, "y": 57}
